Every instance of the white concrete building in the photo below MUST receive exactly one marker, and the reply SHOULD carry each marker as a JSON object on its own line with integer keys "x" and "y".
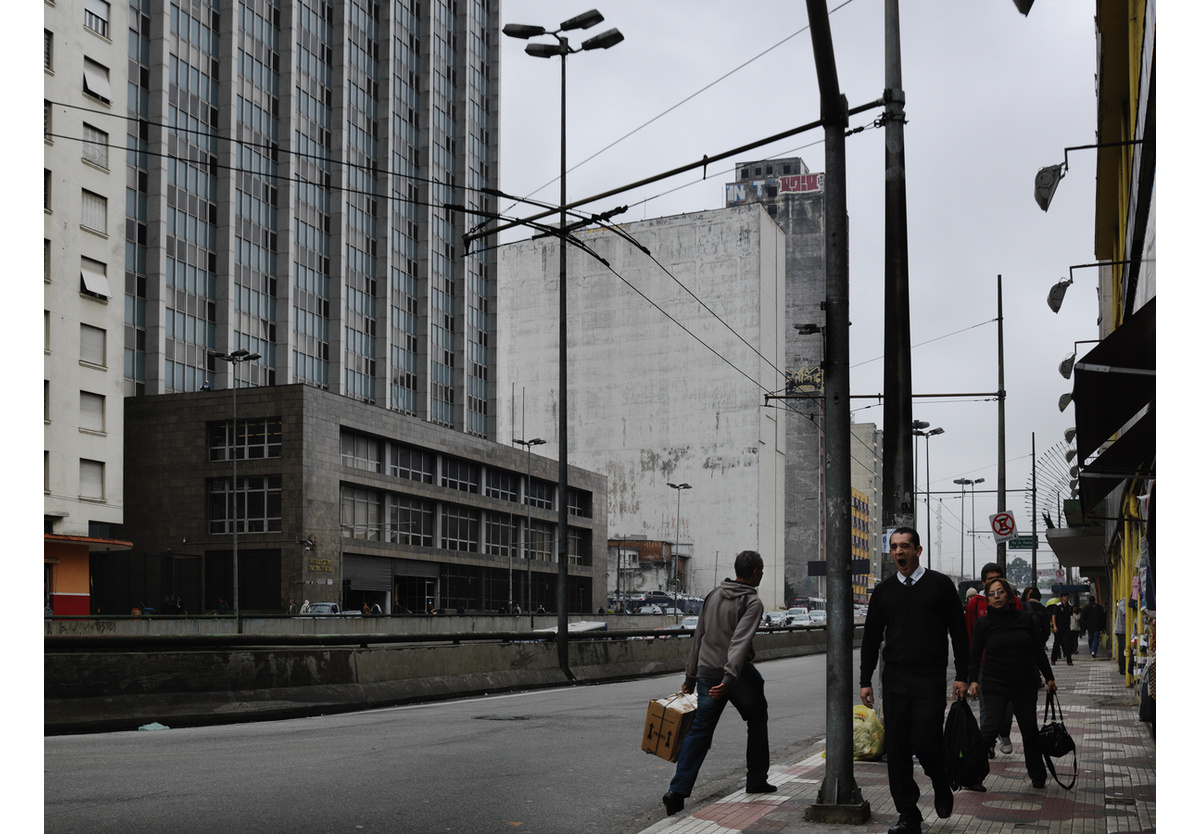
{"x": 668, "y": 363}
{"x": 84, "y": 64}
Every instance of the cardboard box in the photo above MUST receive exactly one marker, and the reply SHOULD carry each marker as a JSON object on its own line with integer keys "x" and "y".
{"x": 667, "y": 722}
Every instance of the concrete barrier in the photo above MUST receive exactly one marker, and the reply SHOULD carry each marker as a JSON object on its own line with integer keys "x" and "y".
{"x": 93, "y": 691}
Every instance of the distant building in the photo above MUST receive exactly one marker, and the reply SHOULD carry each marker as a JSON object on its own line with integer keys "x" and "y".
{"x": 794, "y": 197}
{"x": 85, "y": 79}
{"x": 866, "y": 478}
{"x": 265, "y": 177}
{"x": 340, "y": 501}
{"x": 668, "y": 366}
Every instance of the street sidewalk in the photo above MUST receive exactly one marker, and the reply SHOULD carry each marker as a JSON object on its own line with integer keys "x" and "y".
{"x": 1115, "y": 791}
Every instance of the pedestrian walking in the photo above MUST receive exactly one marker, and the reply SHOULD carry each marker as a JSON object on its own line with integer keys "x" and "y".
{"x": 720, "y": 668}
{"x": 1016, "y": 654}
{"x": 1076, "y": 628}
{"x": 910, "y": 614}
{"x": 1093, "y": 619}
{"x": 1060, "y": 622}
{"x": 977, "y": 607}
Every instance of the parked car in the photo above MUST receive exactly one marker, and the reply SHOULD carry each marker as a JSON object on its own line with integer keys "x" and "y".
{"x": 326, "y": 609}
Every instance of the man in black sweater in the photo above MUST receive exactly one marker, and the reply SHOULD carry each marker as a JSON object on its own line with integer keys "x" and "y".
{"x": 911, "y": 613}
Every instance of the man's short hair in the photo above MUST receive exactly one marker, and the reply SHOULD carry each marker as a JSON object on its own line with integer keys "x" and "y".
{"x": 907, "y": 531}
{"x": 746, "y": 563}
{"x": 1033, "y": 593}
{"x": 990, "y": 567}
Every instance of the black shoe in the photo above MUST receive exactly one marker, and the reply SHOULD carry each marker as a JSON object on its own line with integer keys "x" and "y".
{"x": 943, "y": 801}
{"x": 673, "y": 802}
{"x": 763, "y": 788}
{"x": 1038, "y": 783}
{"x": 906, "y": 827}
{"x": 977, "y": 787}
{"x": 992, "y": 752}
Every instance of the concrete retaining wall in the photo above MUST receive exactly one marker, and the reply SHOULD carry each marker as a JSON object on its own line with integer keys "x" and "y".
{"x": 103, "y": 691}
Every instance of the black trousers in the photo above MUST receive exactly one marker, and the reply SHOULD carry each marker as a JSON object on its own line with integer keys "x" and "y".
{"x": 1023, "y": 701}
{"x": 913, "y": 707}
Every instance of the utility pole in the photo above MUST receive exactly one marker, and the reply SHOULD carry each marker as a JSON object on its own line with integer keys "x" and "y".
{"x": 1001, "y": 498}
{"x": 898, "y": 507}
{"x": 839, "y": 798}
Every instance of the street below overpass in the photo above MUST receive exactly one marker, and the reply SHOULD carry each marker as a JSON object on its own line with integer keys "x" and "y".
{"x": 559, "y": 760}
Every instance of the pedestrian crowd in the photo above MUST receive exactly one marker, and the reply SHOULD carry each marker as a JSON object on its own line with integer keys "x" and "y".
{"x": 917, "y": 625}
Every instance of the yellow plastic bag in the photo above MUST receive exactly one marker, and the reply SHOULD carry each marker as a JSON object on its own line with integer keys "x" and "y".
{"x": 868, "y": 735}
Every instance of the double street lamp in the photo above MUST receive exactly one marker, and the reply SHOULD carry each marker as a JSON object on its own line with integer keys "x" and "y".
{"x": 562, "y": 48}
{"x": 964, "y": 483}
{"x": 918, "y": 425}
{"x": 679, "y": 488}
{"x": 528, "y": 444}
{"x": 235, "y": 358}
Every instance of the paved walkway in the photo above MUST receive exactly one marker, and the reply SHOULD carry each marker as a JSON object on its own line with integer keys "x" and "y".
{"x": 1115, "y": 791}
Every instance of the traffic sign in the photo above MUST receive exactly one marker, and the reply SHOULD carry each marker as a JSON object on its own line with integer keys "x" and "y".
{"x": 1004, "y": 526}
{"x": 1020, "y": 543}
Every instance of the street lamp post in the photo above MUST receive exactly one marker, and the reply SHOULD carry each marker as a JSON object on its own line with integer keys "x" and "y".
{"x": 235, "y": 358}
{"x": 918, "y": 425}
{"x": 528, "y": 444}
{"x": 562, "y": 49}
{"x": 964, "y": 482}
{"x": 679, "y": 488}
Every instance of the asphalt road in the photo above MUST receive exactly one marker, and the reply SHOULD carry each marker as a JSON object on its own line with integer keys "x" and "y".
{"x": 542, "y": 762}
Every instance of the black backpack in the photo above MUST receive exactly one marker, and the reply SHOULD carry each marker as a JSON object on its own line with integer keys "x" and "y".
{"x": 966, "y": 757}
{"x": 1041, "y": 618}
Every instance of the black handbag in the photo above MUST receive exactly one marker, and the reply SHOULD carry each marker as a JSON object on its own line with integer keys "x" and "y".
{"x": 1054, "y": 741}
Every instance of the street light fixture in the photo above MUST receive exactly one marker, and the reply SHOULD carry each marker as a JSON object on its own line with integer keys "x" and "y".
{"x": 963, "y": 482}
{"x": 235, "y": 358}
{"x": 928, "y": 488}
{"x": 679, "y": 488}
{"x": 562, "y": 49}
{"x": 528, "y": 444}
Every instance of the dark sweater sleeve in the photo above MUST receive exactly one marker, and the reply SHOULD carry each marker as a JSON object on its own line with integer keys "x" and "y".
{"x": 960, "y": 643}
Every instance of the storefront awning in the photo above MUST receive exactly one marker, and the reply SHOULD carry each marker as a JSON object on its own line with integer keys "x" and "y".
{"x": 1132, "y": 455}
{"x": 1115, "y": 381}
{"x": 1078, "y": 547}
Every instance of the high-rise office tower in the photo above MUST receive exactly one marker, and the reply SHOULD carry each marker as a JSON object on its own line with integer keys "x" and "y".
{"x": 285, "y": 170}
{"x": 289, "y": 168}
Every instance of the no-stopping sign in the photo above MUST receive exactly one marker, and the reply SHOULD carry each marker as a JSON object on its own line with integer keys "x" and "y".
{"x": 1004, "y": 526}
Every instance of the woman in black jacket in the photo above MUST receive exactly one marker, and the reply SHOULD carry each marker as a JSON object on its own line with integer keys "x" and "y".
{"x": 1006, "y": 645}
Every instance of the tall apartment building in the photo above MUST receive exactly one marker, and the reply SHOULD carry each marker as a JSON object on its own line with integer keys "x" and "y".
{"x": 85, "y": 83}
{"x": 794, "y": 197}
{"x": 285, "y": 170}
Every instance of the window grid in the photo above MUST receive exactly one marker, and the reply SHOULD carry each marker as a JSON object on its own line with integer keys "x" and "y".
{"x": 259, "y": 504}
{"x": 258, "y": 438}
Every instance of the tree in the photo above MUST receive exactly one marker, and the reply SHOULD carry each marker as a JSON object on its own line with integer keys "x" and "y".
{"x": 1020, "y": 573}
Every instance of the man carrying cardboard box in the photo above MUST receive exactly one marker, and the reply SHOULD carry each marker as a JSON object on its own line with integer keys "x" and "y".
{"x": 720, "y": 668}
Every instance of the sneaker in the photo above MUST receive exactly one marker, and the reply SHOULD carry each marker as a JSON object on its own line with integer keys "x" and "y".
{"x": 1005, "y": 744}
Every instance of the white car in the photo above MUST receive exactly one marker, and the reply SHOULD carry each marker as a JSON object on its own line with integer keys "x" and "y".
{"x": 817, "y": 617}
{"x": 776, "y": 619}
{"x": 649, "y": 609}
{"x": 689, "y": 623}
{"x": 798, "y": 617}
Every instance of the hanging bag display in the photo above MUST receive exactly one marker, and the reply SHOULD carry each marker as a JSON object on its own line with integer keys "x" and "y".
{"x": 1054, "y": 741}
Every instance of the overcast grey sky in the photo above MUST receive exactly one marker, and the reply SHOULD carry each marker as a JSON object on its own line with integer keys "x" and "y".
{"x": 992, "y": 96}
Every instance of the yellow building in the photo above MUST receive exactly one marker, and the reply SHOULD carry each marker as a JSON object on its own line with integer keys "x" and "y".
{"x": 1110, "y": 537}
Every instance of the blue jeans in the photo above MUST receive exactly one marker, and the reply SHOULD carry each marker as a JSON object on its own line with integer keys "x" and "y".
{"x": 1094, "y": 641}
{"x": 747, "y": 695}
